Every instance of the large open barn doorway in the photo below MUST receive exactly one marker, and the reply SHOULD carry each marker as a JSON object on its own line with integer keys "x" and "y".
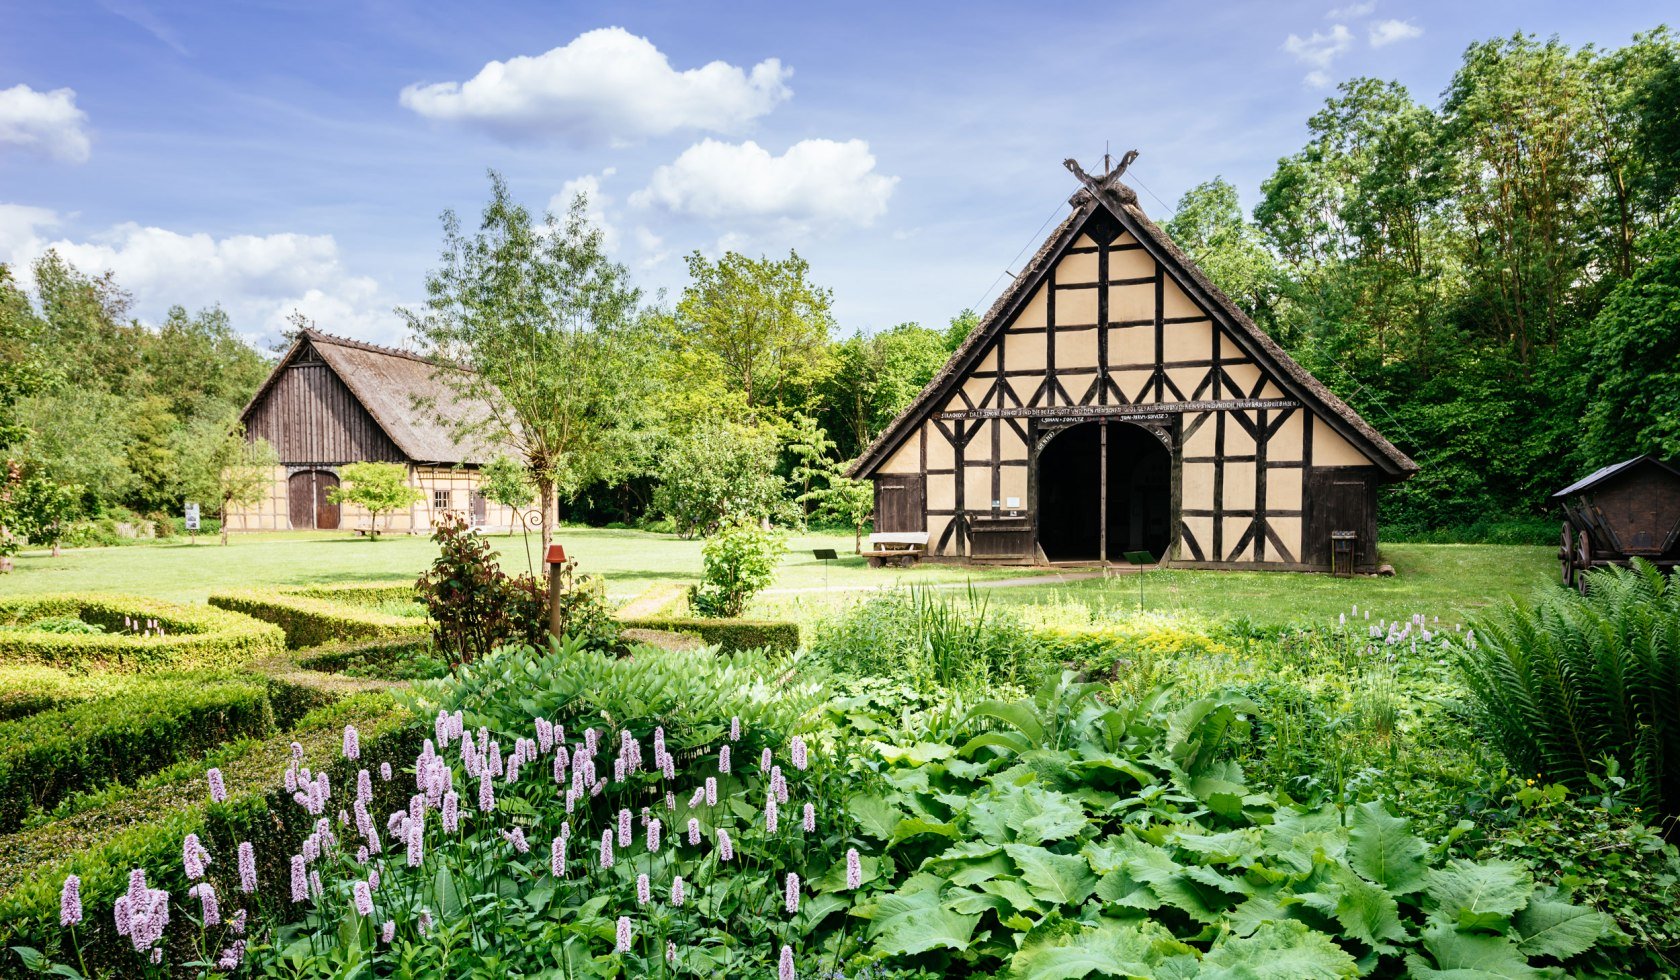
{"x": 1080, "y": 467}
{"x": 308, "y": 502}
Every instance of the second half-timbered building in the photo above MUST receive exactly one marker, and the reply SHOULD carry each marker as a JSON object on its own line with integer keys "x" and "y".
{"x": 1113, "y": 401}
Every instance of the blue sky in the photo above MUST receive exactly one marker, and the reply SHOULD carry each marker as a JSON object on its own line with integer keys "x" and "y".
{"x": 296, "y": 155}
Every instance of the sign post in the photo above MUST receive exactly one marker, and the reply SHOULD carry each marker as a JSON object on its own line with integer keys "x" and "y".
{"x": 192, "y": 518}
{"x": 559, "y": 579}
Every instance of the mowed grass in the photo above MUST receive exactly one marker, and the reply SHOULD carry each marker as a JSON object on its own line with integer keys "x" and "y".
{"x": 1449, "y": 581}
{"x": 631, "y": 562}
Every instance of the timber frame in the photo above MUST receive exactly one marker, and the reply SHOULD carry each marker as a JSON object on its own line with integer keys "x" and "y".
{"x": 1111, "y": 324}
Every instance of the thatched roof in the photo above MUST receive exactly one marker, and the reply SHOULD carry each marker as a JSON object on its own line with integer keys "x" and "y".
{"x": 1110, "y": 194}
{"x": 406, "y": 394}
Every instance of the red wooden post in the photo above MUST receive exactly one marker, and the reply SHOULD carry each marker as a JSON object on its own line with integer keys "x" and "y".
{"x": 555, "y": 558}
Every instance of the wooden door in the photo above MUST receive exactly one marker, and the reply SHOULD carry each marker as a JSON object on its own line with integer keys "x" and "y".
{"x": 326, "y": 512}
{"x": 1340, "y": 499}
{"x": 300, "y": 500}
{"x": 480, "y": 509}
{"x": 900, "y": 502}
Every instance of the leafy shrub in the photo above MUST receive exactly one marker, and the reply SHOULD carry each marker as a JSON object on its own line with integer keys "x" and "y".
{"x": 50, "y": 753}
{"x": 719, "y": 472}
{"x": 737, "y": 563}
{"x": 728, "y": 635}
{"x": 186, "y": 636}
{"x": 1069, "y": 835}
{"x": 330, "y": 614}
{"x": 25, "y": 690}
{"x": 475, "y": 606}
{"x": 1567, "y": 682}
{"x": 143, "y": 826}
{"x": 925, "y": 635}
{"x": 403, "y": 658}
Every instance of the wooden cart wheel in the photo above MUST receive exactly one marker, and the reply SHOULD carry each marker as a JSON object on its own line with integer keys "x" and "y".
{"x": 1586, "y": 559}
{"x": 1566, "y": 556}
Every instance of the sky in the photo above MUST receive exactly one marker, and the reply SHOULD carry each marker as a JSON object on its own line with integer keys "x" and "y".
{"x": 274, "y": 157}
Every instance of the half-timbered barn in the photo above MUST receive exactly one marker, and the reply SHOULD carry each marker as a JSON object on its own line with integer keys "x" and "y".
{"x": 1114, "y": 401}
{"x": 332, "y": 401}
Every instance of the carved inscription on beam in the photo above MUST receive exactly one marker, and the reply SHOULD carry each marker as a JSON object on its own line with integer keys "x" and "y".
{"x": 1122, "y": 411}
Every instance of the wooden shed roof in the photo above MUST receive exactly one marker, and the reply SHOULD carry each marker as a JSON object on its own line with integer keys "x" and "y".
{"x": 1604, "y": 475}
{"x": 1122, "y": 203}
{"x": 404, "y": 392}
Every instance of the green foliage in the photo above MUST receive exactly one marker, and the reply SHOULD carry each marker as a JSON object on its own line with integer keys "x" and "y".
{"x": 737, "y": 563}
{"x": 474, "y": 605}
{"x": 1068, "y": 831}
{"x": 50, "y": 753}
{"x": 1634, "y": 360}
{"x": 1568, "y": 682}
{"x": 1208, "y": 225}
{"x": 728, "y": 635}
{"x": 219, "y": 465}
{"x": 184, "y": 636}
{"x": 378, "y": 488}
{"x": 875, "y": 376}
{"x": 506, "y": 481}
{"x": 717, "y": 471}
{"x": 398, "y": 659}
{"x": 42, "y": 510}
{"x": 926, "y": 636}
{"x": 143, "y": 825}
{"x": 326, "y": 614}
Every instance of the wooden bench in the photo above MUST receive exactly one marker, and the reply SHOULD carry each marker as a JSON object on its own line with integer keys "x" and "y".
{"x": 901, "y": 548}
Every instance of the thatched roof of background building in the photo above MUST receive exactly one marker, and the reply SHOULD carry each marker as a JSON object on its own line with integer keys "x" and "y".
{"x": 406, "y": 394}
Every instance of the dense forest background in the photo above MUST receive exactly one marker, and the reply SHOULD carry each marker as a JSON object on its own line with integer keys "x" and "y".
{"x": 1492, "y": 280}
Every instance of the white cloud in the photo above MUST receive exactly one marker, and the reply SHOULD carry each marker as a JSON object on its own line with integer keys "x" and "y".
{"x": 590, "y": 186}
{"x": 258, "y": 279}
{"x": 1315, "y": 79}
{"x": 1352, "y": 11}
{"x": 47, "y": 123}
{"x": 1386, "y": 32}
{"x": 815, "y": 181}
{"x": 652, "y": 247}
{"x": 1320, "y": 49}
{"x": 606, "y": 85}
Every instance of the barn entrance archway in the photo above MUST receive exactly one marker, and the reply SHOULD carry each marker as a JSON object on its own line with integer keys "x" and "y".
{"x": 1081, "y": 466}
{"x": 306, "y": 500}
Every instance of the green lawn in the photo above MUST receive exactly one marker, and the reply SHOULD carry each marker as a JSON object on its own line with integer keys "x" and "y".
{"x": 1451, "y": 581}
{"x": 632, "y": 561}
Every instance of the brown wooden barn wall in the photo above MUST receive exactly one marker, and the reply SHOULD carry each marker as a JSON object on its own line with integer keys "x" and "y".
{"x": 312, "y": 419}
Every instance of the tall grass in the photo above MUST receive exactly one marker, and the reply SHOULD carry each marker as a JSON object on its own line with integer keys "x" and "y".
{"x": 924, "y": 635}
{"x": 1565, "y": 682}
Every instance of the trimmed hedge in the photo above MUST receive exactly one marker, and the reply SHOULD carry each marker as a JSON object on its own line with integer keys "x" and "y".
{"x": 144, "y": 826}
{"x": 194, "y": 636}
{"x": 27, "y": 689}
{"x": 399, "y": 659}
{"x": 49, "y": 754}
{"x": 327, "y": 614}
{"x": 728, "y": 635}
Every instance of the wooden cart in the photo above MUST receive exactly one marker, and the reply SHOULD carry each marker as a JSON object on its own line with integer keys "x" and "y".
{"x": 1621, "y": 512}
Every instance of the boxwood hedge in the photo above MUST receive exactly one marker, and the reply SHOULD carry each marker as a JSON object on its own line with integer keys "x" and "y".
{"x": 728, "y": 635}
{"x": 327, "y": 614}
{"x": 143, "y": 827}
{"x": 191, "y": 636}
{"x": 147, "y": 726}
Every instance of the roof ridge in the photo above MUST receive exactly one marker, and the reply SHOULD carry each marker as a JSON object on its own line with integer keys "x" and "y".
{"x": 319, "y": 336}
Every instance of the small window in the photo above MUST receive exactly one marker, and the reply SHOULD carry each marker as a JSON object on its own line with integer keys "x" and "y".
{"x": 440, "y": 499}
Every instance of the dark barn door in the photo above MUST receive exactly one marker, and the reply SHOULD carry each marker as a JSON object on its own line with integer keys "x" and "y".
{"x": 480, "y": 509}
{"x": 1340, "y": 499}
{"x": 900, "y": 503}
{"x": 307, "y": 503}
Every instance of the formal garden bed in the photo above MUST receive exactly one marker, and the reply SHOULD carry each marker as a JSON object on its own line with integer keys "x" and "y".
{"x": 127, "y": 633}
{"x": 316, "y": 615}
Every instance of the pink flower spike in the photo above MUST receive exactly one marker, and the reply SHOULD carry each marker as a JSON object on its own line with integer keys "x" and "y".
{"x": 557, "y": 857}
{"x": 726, "y": 847}
{"x": 771, "y": 813}
{"x": 247, "y": 868}
{"x": 784, "y": 967}
{"x": 810, "y": 818}
{"x": 764, "y": 760}
{"x": 654, "y": 830}
{"x": 606, "y": 849}
{"x": 711, "y": 791}
{"x": 352, "y": 743}
{"x": 218, "y": 789}
{"x": 624, "y": 828}
{"x": 792, "y": 893}
{"x": 388, "y": 932}
{"x": 363, "y": 897}
{"x": 723, "y": 759}
{"x": 70, "y": 901}
{"x": 385, "y": 771}
{"x": 854, "y": 869}
{"x": 735, "y": 728}
{"x": 677, "y": 892}
{"x": 644, "y": 891}
{"x": 623, "y": 945}
{"x": 693, "y": 831}
{"x": 300, "y": 883}
{"x": 486, "y": 792}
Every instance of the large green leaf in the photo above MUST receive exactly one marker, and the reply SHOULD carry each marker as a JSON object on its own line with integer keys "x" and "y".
{"x": 1109, "y": 949}
{"x": 1471, "y": 956}
{"x": 918, "y": 922}
{"x": 1029, "y": 814}
{"x": 1018, "y": 714}
{"x": 1547, "y": 927}
{"x": 1120, "y": 888}
{"x": 1060, "y": 879}
{"x": 875, "y": 816}
{"x": 1381, "y": 848}
{"x": 1278, "y": 951}
{"x": 1365, "y": 911}
{"x": 1475, "y": 895}
{"x": 916, "y": 826}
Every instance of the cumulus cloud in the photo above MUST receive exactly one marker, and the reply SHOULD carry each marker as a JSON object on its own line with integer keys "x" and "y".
{"x": 1318, "y": 51}
{"x": 47, "y": 123}
{"x": 258, "y": 279}
{"x": 1386, "y": 32}
{"x": 815, "y": 181}
{"x": 605, "y": 86}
